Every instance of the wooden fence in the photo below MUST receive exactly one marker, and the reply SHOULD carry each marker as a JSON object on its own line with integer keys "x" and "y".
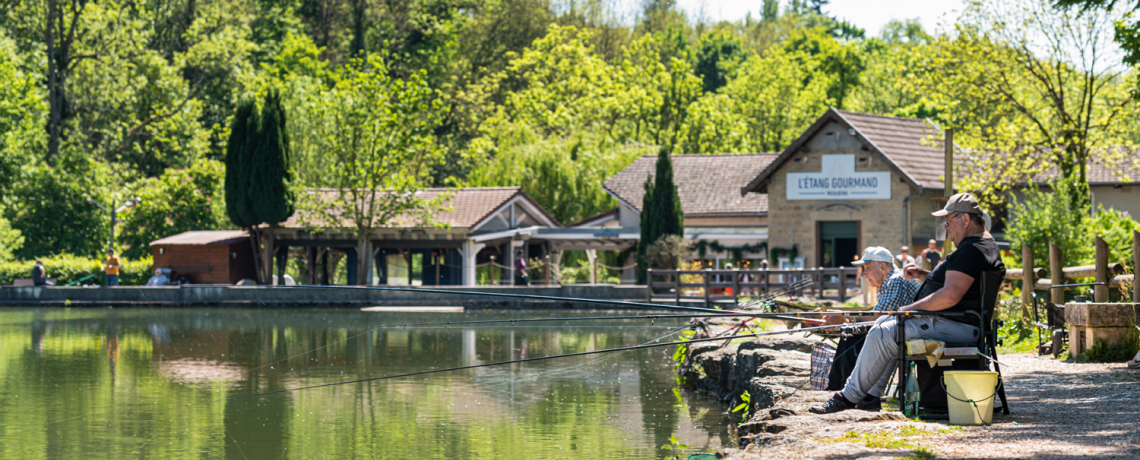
{"x": 1109, "y": 275}
{"x": 720, "y": 287}
{"x": 712, "y": 287}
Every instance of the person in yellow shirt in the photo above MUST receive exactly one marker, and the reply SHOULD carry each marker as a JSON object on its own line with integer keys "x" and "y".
{"x": 111, "y": 268}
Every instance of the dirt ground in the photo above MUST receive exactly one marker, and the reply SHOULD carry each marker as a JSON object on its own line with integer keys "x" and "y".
{"x": 1059, "y": 410}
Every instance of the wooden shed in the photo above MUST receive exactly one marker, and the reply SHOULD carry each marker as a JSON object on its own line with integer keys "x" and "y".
{"x": 209, "y": 257}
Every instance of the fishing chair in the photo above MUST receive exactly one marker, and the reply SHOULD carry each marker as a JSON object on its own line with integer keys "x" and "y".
{"x": 976, "y": 355}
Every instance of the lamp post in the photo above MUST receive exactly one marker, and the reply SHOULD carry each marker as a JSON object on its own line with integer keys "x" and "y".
{"x": 114, "y": 215}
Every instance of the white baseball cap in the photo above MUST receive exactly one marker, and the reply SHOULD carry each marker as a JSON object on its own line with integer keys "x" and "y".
{"x": 877, "y": 253}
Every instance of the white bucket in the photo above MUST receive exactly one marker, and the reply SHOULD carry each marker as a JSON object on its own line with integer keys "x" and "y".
{"x": 970, "y": 396}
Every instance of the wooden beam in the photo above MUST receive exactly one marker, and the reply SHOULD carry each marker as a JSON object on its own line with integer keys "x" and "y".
{"x": 1057, "y": 274}
{"x": 1100, "y": 293}
{"x": 1027, "y": 279}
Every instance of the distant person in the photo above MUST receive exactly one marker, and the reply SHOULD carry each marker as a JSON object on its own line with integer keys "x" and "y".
{"x": 931, "y": 256}
{"x": 159, "y": 279}
{"x": 520, "y": 270}
{"x": 39, "y": 275}
{"x": 904, "y": 257}
{"x": 111, "y": 268}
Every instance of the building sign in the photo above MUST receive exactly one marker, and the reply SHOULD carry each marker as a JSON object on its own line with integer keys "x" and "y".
{"x": 838, "y": 180}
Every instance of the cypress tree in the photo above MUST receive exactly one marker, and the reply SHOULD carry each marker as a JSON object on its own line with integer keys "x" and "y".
{"x": 270, "y": 175}
{"x": 660, "y": 210}
{"x": 243, "y": 133}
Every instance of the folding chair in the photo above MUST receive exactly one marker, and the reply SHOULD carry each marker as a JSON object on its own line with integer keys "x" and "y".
{"x": 982, "y": 350}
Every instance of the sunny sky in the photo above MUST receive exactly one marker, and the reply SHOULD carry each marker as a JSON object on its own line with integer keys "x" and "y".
{"x": 871, "y": 15}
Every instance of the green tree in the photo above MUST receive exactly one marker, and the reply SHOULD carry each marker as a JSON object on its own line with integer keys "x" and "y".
{"x": 378, "y": 133}
{"x": 841, "y": 62}
{"x": 270, "y": 176}
{"x": 49, "y": 207}
{"x": 718, "y": 56}
{"x": 11, "y": 240}
{"x": 244, "y": 133}
{"x": 1030, "y": 81}
{"x": 661, "y": 213}
{"x": 180, "y": 200}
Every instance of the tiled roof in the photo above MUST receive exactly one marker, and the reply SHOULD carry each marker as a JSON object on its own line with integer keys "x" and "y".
{"x": 912, "y": 144}
{"x": 468, "y": 207}
{"x": 707, "y": 184}
{"x": 204, "y": 237}
{"x": 589, "y": 220}
{"x": 1125, "y": 170}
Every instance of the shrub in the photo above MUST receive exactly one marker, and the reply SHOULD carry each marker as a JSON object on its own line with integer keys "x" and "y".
{"x": 66, "y": 268}
{"x": 668, "y": 252}
{"x": 1040, "y": 218}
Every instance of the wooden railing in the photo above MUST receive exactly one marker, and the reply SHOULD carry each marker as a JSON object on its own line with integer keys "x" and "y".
{"x": 713, "y": 287}
{"x": 1107, "y": 275}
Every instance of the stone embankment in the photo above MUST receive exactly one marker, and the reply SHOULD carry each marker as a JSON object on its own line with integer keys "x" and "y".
{"x": 774, "y": 372}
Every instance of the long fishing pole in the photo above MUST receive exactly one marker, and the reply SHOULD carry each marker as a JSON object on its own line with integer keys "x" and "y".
{"x": 541, "y": 358}
{"x": 531, "y": 296}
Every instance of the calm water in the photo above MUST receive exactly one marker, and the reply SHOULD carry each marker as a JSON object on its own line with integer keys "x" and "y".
{"x": 142, "y": 383}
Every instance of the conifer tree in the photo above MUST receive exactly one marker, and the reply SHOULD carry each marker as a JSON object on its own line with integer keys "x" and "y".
{"x": 243, "y": 133}
{"x": 660, "y": 210}
{"x": 272, "y": 200}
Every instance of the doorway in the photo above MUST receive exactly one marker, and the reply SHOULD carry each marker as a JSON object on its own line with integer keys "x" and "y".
{"x": 838, "y": 243}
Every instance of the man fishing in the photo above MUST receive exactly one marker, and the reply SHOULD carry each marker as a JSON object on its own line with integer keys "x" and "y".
{"x": 894, "y": 291}
{"x": 953, "y": 286}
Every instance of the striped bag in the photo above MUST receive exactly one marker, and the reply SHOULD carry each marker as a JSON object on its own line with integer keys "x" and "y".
{"x": 821, "y": 357}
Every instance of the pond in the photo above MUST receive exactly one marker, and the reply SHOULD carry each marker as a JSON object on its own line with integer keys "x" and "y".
{"x": 155, "y": 383}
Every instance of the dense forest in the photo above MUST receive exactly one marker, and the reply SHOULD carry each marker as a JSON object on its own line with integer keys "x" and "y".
{"x": 102, "y": 101}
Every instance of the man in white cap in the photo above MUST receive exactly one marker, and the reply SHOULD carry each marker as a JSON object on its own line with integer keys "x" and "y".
{"x": 894, "y": 292}
{"x": 953, "y": 287}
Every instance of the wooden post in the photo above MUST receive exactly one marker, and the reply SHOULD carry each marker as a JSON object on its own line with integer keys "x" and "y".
{"x": 649, "y": 286}
{"x": 819, "y": 282}
{"x": 948, "y": 181}
{"x": 677, "y": 283}
{"x": 1136, "y": 266}
{"x": 842, "y": 285}
{"x": 311, "y": 260}
{"x": 547, "y": 259}
{"x": 435, "y": 255}
{"x": 767, "y": 282}
{"x": 1100, "y": 293}
{"x": 736, "y": 288}
{"x": 708, "y": 292}
{"x": 596, "y": 270}
{"x": 1056, "y": 274}
{"x": 1027, "y": 282}
{"x": 493, "y": 280}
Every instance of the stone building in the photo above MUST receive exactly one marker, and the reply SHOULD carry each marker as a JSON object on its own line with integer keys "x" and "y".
{"x": 852, "y": 180}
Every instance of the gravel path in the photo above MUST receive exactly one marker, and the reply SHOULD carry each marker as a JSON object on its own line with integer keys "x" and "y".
{"x": 1058, "y": 409}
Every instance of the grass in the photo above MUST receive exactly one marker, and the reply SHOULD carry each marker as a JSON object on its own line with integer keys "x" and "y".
{"x": 905, "y": 438}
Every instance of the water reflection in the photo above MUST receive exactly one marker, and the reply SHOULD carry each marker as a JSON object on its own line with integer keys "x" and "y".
{"x": 154, "y": 383}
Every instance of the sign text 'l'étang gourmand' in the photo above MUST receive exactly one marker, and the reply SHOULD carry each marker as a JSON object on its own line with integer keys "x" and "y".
{"x": 838, "y": 180}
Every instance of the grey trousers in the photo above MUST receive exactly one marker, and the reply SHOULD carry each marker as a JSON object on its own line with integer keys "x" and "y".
{"x": 878, "y": 360}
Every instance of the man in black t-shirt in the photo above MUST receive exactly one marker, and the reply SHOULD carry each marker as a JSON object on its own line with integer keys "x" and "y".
{"x": 931, "y": 255}
{"x": 953, "y": 286}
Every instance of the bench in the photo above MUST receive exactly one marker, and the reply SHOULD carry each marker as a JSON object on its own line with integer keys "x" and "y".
{"x": 28, "y": 282}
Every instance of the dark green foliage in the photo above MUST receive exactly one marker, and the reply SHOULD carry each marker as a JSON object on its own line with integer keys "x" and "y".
{"x": 269, "y": 176}
{"x": 719, "y": 54}
{"x": 49, "y": 206}
{"x": 243, "y": 135}
{"x": 660, "y": 210}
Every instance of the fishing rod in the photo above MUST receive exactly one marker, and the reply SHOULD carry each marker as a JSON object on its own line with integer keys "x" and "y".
{"x": 541, "y": 358}
{"x": 769, "y": 296}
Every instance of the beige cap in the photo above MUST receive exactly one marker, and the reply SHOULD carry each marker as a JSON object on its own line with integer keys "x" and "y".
{"x": 962, "y": 202}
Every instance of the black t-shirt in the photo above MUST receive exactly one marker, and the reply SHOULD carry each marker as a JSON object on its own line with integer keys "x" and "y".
{"x": 933, "y": 257}
{"x": 974, "y": 256}
{"x": 38, "y": 278}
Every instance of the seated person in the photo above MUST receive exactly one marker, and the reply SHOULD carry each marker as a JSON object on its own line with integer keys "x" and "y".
{"x": 159, "y": 279}
{"x": 894, "y": 292}
{"x": 953, "y": 286}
